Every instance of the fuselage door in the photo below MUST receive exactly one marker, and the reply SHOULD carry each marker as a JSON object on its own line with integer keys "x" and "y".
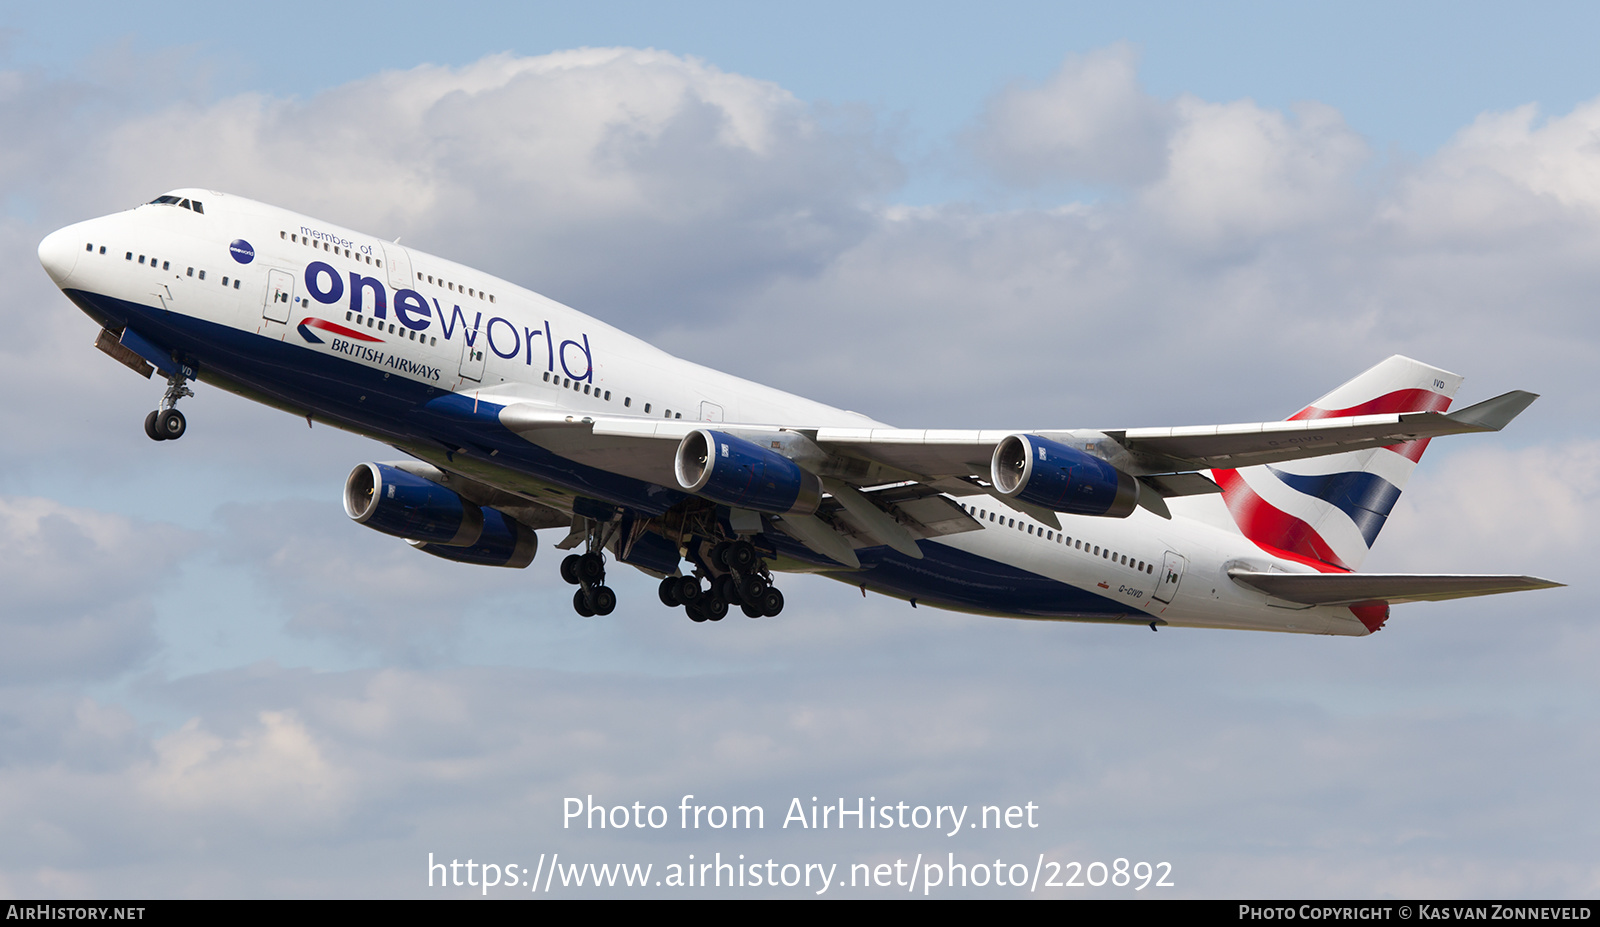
{"x": 472, "y": 350}
{"x": 710, "y": 412}
{"x": 280, "y": 296}
{"x": 1171, "y": 572}
{"x": 398, "y": 262}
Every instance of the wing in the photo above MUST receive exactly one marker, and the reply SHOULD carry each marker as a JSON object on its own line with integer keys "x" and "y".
{"x": 1164, "y": 461}
{"x": 643, "y": 447}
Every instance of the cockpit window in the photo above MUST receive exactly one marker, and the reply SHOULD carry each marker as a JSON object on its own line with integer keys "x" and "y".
{"x": 181, "y": 203}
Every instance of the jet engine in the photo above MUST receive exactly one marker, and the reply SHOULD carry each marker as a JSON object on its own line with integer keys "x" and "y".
{"x": 434, "y": 519}
{"x": 405, "y": 505}
{"x": 1056, "y": 477}
{"x": 745, "y": 475}
{"x": 503, "y": 543}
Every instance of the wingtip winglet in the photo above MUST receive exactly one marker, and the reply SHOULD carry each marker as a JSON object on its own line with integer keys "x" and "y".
{"x": 1494, "y": 414}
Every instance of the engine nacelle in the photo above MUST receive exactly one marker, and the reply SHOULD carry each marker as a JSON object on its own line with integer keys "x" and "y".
{"x": 407, "y": 506}
{"x": 1045, "y": 473}
{"x": 745, "y": 475}
{"x": 503, "y": 543}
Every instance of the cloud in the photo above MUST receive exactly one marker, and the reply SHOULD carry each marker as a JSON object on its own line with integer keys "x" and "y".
{"x": 1090, "y": 122}
{"x": 79, "y": 590}
{"x": 1238, "y": 172}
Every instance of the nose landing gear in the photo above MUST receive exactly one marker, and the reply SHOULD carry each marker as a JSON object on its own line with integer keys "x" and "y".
{"x": 166, "y": 423}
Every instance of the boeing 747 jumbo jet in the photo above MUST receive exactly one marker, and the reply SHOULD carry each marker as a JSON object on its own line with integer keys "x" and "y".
{"x": 518, "y": 413}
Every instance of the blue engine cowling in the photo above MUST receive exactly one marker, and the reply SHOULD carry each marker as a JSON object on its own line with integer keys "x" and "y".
{"x": 503, "y": 543}
{"x": 1054, "y": 476}
{"x": 405, "y": 505}
{"x": 745, "y": 475}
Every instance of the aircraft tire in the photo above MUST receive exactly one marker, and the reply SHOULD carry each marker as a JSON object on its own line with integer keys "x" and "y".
{"x": 150, "y": 425}
{"x": 771, "y": 602}
{"x": 751, "y": 611}
{"x": 726, "y": 588}
{"x": 715, "y": 609}
{"x": 741, "y": 556}
{"x": 591, "y": 569}
{"x": 719, "y": 555}
{"x": 569, "y": 568}
{"x": 751, "y": 589}
{"x": 171, "y": 425}
{"x": 695, "y": 612}
{"x": 688, "y": 588}
{"x": 668, "y": 592}
{"x": 605, "y": 601}
{"x": 580, "y": 603}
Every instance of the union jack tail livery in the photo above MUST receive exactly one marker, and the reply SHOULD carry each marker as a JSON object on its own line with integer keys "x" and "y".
{"x": 1330, "y": 509}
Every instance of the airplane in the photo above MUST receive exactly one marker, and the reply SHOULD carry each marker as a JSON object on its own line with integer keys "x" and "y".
{"x": 519, "y": 414}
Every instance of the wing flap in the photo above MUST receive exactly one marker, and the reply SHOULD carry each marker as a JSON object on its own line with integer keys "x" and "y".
{"x": 1394, "y": 588}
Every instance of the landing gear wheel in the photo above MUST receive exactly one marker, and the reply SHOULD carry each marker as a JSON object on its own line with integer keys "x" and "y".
{"x": 669, "y": 592}
{"x": 591, "y": 569}
{"x": 741, "y": 556}
{"x": 580, "y": 603}
{"x": 719, "y": 555}
{"x": 569, "y": 568}
{"x": 150, "y": 425}
{"x": 688, "y": 588}
{"x": 726, "y": 588}
{"x": 603, "y": 600}
{"x": 751, "y": 589}
{"x": 697, "y": 613}
{"x": 170, "y": 425}
{"x": 771, "y": 602}
{"x": 751, "y": 611}
{"x": 715, "y": 609}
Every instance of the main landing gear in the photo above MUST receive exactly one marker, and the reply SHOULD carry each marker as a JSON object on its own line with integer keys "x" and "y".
{"x": 588, "y": 573}
{"x": 726, "y": 574}
{"x": 166, "y": 423}
{"x": 737, "y": 577}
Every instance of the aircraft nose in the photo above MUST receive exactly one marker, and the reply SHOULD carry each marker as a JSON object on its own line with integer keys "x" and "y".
{"x": 59, "y": 254}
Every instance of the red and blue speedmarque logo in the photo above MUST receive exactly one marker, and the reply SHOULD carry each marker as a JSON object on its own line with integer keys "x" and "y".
{"x": 308, "y": 323}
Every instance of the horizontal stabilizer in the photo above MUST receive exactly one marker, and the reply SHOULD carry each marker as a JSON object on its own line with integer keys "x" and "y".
{"x": 1394, "y": 588}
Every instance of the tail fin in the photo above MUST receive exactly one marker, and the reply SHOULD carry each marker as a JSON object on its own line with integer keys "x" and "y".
{"x": 1330, "y": 509}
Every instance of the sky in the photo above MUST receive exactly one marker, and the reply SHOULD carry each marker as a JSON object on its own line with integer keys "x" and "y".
{"x": 212, "y": 684}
